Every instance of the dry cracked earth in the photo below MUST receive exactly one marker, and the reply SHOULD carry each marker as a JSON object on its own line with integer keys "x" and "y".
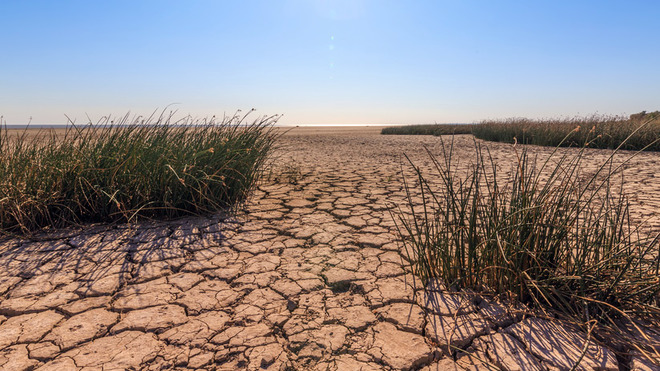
{"x": 310, "y": 276}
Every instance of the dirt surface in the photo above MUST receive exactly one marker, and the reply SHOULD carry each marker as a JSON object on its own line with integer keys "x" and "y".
{"x": 311, "y": 276}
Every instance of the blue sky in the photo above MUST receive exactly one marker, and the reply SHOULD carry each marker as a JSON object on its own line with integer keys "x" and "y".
{"x": 327, "y": 62}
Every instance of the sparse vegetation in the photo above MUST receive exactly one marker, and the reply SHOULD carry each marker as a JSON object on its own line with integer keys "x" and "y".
{"x": 124, "y": 170}
{"x": 546, "y": 234}
{"x": 435, "y": 129}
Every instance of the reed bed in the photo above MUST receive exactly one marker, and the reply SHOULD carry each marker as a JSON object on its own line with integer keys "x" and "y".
{"x": 129, "y": 169}
{"x": 545, "y": 234}
{"x": 639, "y": 132}
{"x": 435, "y": 129}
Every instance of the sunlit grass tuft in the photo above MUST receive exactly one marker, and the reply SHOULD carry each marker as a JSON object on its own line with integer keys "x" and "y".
{"x": 547, "y": 234}
{"x": 125, "y": 170}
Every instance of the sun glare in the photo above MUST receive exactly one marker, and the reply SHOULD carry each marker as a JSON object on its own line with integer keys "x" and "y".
{"x": 341, "y": 9}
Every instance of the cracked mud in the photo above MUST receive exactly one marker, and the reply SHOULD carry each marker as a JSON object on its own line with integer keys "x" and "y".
{"x": 311, "y": 276}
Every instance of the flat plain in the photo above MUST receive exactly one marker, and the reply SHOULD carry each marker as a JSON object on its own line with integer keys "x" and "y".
{"x": 310, "y": 275}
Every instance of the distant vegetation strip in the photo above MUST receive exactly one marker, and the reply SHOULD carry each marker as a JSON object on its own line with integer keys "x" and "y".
{"x": 434, "y": 129}
{"x": 124, "y": 170}
{"x": 594, "y": 131}
{"x": 637, "y": 132}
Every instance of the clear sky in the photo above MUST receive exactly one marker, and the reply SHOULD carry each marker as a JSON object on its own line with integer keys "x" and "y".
{"x": 329, "y": 61}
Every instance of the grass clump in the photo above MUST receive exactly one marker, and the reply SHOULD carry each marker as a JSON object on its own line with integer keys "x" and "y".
{"x": 434, "y": 129}
{"x": 546, "y": 234}
{"x": 594, "y": 131}
{"x": 120, "y": 171}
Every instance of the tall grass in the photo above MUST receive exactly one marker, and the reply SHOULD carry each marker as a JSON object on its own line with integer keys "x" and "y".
{"x": 124, "y": 170}
{"x": 435, "y": 129}
{"x": 547, "y": 234}
{"x": 593, "y": 131}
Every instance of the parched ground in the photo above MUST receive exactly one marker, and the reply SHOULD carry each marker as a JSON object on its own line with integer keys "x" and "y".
{"x": 310, "y": 277}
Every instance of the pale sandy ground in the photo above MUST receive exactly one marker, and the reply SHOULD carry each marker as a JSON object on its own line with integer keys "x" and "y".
{"x": 310, "y": 277}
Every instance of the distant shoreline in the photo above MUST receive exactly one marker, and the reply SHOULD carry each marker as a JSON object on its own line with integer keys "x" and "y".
{"x": 35, "y": 126}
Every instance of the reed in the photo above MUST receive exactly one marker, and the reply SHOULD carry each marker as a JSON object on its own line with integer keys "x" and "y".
{"x": 547, "y": 234}
{"x": 640, "y": 131}
{"x": 129, "y": 169}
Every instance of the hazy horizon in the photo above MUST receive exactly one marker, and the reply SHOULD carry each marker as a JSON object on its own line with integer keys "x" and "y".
{"x": 328, "y": 62}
